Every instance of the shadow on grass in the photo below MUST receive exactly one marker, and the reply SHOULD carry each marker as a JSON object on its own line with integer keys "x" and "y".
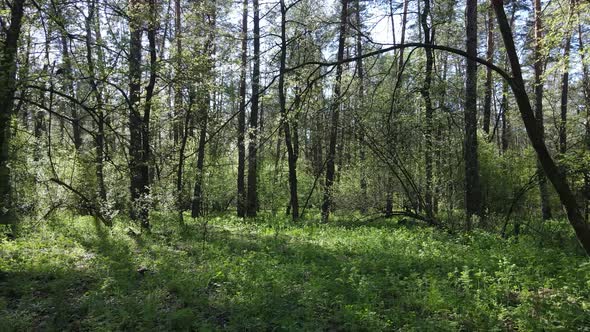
{"x": 253, "y": 277}
{"x": 277, "y": 281}
{"x": 43, "y": 300}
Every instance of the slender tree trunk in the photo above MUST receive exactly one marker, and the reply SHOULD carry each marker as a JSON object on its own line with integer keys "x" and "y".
{"x": 68, "y": 83}
{"x": 472, "y": 184}
{"x": 98, "y": 108}
{"x": 403, "y": 35}
{"x": 8, "y": 56}
{"x": 181, "y": 157}
{"x": 586, "y": 89}
{"x": 361, "y": 103}
{"x": 252, "y": 199}
{"x": 487, "y": 107}
{"x": 241, "y": 200}
{"x": 176, "y": 125}
{"x": 180, "y": 129}
{"x": 556, "y": 177}
{"x": 504, "y": 108}
{"x": 564, "y": 96}
{"x": 328, "y": 194}
{"x": 425, "y": 91}
{"x": 539, "y": 69}
{"x": 197, "y": 204}
{"x": 291, "y": 152}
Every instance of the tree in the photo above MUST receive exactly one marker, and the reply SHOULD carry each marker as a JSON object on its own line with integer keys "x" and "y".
{"x": 586, "y": 93}
{"x": 99, "y": 140}
{"x": 204, "y": 102}
{"x": 472, "y": 183}
{"x": 361, "y": 99}
{"x": 425, "y": 91}
{"x": 335, "y": 110}
{"x": 252, "y": 198}
{"x": 138, "y": 144}
{"x": 241, "y": 200}
{"x": 8, "y": 57}
{"x": 487, "y": 108}
{"x": 292, "y": 153}
{"x": 539, "y": 65}
{"x": 565, "y": 84}
{"x": 535, "y": 134}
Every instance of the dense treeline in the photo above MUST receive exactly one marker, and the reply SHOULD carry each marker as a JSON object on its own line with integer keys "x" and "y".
{"x": 474, "y": 115}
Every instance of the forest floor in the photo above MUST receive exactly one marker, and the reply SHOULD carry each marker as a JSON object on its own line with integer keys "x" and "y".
{"x": 267, "y": 274}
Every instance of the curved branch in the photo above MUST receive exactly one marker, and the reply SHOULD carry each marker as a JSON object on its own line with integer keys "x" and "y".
{"x": 462, "y": 53}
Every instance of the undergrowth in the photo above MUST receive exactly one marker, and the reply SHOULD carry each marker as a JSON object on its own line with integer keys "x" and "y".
{"x": 269, "y": 274}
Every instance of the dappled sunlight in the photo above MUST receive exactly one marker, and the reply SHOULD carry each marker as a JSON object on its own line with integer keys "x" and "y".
{"x": 226, "y": 274}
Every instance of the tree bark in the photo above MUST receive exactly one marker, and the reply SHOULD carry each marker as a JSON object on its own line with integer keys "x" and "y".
{"x": 178, "y": 83}
{"x": 204, "y": 104}
{"x": 291, "y": 151}
{"x": 8, "y": 56}
{"x": 539, "y": 89}
{"x": 403, "y": 36}
{"x": 425, "y": 91}
{"x": 504, "y": 108}
{"x": 335, "y": 108}
{"x": 586, "y": 89}
{"x": 68, "y": 83}
{"x": 139, "y": 181}
{"x": 487, "y": 107}
{"x": 472, "y": 183}
{"x": 564, "y": 96}
{"x": 252, "y": 198}
{"x": 241, "y": 200}
{"x": 361, "y": 102}
{"x": 98, "y": 107}
{"x": 180, "y": 129}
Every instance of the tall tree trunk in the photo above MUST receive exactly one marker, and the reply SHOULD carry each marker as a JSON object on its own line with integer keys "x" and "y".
{"x": 252, "y": 199}
{"x": 505, "y": 106}
{"x": 565, "y": 81}
{"x": 98, "y": 107}
{"x": 425, "y": 91}
{"x": 556, "y": 177}
{"x": 472, "y": 183}
{"x": 8, "y": 56}
{"x": 241, "y": 200}
{"x": 181, "y": 157}
{"x": 179, "y": 128}
{"x": 487, "y": 107}
{"x": 586, "y": 89}
{"x": 178, "y": 83}
{"x": 361, "y": 103}
{"x": 291, "y": 151}
{"x": 328, "y": 194}
{"x": 564, "y": 96}
{"x": 138, "y": 182}
{"x": 539, "y": 69}
{"x": 147, "y": 160}
{"x": 197, "y": 204}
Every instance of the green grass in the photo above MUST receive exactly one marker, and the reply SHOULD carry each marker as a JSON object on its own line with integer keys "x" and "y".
{"x": 272, "y": 275}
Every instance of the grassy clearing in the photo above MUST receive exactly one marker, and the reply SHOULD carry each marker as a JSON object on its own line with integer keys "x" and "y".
{"x": 270, "y": 275}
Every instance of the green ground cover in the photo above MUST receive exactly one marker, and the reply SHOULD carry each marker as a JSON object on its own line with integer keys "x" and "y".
{"x": 227, "y": 274}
